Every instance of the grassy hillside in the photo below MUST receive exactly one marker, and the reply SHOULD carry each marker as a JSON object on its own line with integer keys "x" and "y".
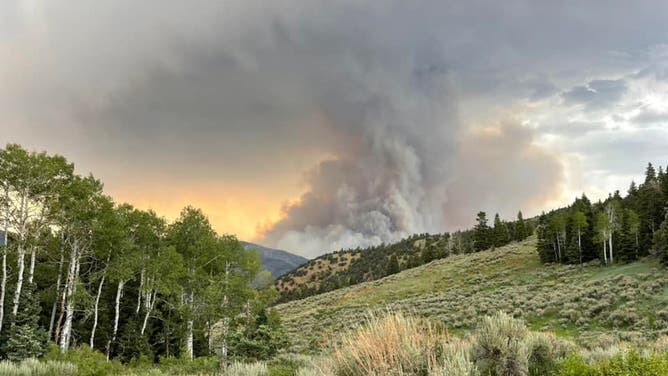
{"x": 629, "y": 301}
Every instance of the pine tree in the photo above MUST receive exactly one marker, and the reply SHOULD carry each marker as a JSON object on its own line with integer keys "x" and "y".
{"x": 26, "y": 339}
{"x": 500, "y": 232}
{"x": 481, "y": 233}
{"x": 520, "y": 228}
{"x": 393, "y": 265}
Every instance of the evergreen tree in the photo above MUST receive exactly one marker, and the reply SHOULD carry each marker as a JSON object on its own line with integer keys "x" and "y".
{"x": 25, "y": 338}
{"x": 545, "y": 243}
{"x": 393, "y": 265}
{"x": 628, "y": 237}
{"x": 520, "y": 228}
{"x": 481, "y": 233}
{"x": 500, "y": 232}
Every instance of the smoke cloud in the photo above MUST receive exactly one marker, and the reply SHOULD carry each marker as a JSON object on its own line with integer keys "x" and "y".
{"x": 371, "y": 105}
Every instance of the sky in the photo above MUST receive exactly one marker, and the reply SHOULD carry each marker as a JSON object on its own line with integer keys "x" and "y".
{"x": 313, "y": 125}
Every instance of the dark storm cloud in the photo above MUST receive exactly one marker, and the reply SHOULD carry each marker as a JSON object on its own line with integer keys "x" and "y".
{"x": 364, "y": 97}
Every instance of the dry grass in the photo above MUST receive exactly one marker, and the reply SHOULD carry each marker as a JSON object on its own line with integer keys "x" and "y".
{"x": 393, "y": 344}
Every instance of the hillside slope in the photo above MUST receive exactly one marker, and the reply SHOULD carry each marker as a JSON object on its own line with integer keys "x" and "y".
{"x": 348, "y": 267}
{"x": 276, "y": 261}
{"x": 628, "y": 300}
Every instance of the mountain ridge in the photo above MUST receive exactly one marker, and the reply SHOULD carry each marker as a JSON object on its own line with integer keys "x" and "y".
{"x": 276, "y": 261}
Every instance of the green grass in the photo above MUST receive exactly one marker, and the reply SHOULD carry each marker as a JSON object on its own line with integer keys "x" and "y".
{"x": 582, "y": 302}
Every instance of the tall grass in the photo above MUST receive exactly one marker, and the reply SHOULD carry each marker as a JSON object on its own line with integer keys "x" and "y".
{"x": 33, "y": 367}
{"x": 395, "y": 344}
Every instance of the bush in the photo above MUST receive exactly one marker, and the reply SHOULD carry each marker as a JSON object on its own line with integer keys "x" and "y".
{"x": 502, "y": 347}
{"x": 89, "y": 362}
{"x": 630, "y": 364}
{"x": 183, "y": 366}
{"x": 392, "y": 345}
{"x": 545, "y": 352}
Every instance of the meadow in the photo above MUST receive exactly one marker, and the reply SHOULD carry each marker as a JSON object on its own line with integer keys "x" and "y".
{"x": 585, "y": 303}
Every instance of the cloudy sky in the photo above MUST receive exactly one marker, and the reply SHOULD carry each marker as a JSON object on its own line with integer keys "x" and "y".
{"x": 315, "y": 125}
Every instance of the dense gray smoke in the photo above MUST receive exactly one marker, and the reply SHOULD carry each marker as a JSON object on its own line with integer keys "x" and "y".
{"x": 372, "y": 100}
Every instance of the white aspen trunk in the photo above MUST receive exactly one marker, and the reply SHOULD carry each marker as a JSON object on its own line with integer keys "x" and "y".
{"x": 210, "y": 336}
{"x": 19, "y": 282}
{"x": 558, "y": 248}
{"x": 31, "y": 271}
{"x": 226, "y": 322}
{"x": 610, "y": 242}
{"x": 189, "y": 328}
{"x": 95, "y": 312}
{"x": 119, "y": 295}
{"x": 55, "y": 301}
{"x": 69, "y": 305}
{"x": 140, "y": 292}
{"x": 605, "y": 252}
{"x": 148, "y": 311}
{"x": 189, "y": 339}
{"x": 223, "y": 342}
{"x": 3, "y": 283}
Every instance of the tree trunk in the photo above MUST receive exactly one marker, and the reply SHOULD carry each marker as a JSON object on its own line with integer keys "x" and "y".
{"x": 637, "y": 245}
{"x": 140, "y": 291}
{"x": 19, "y": 282}
{"x": 69, "y": 306}
{"x": 3, "y": 283}
{"x": 580, "y": 245}
{"x": 605, "y": 251}
{"x": 189, "y": 339}
{"x": 95, "y": 311}
{"x": 223, "y": 342}
{"x": 610, "y": 242}
{"x": 119, "y": 295}
{"x": 189, "y": 328}
{"x": 226, "y": 322}
{"x": 55, "y": 301}
{"x": 149, "y": 309}
{"x": 31, "y": 271}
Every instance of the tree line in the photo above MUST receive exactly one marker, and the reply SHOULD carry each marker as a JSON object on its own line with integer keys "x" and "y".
{"x": 617, "y": 229}
{"x": 78, "y": 268}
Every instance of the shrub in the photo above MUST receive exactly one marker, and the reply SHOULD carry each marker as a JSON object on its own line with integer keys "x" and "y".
{"x": 246, "y": 369}
{"x": 89, "y": 362}
{"x": 545, "y": 351}
{"x": 454, "y": 362}
{"x": 183, "y": 366}
{"x": 630, "y": 364}
{"x": 501, "y": 347}
{"x": 395, "y": 344}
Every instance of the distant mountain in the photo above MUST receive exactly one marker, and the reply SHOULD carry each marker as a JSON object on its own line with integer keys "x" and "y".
{"x": 276, "y": 261}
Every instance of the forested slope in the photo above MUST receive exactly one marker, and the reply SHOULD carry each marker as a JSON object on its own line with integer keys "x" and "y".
{"x": 349, "y": 267}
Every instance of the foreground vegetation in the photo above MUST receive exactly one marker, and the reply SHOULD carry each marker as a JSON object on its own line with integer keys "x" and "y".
{"x": 584, "y": 303}
{"x": 403, "y": 344}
